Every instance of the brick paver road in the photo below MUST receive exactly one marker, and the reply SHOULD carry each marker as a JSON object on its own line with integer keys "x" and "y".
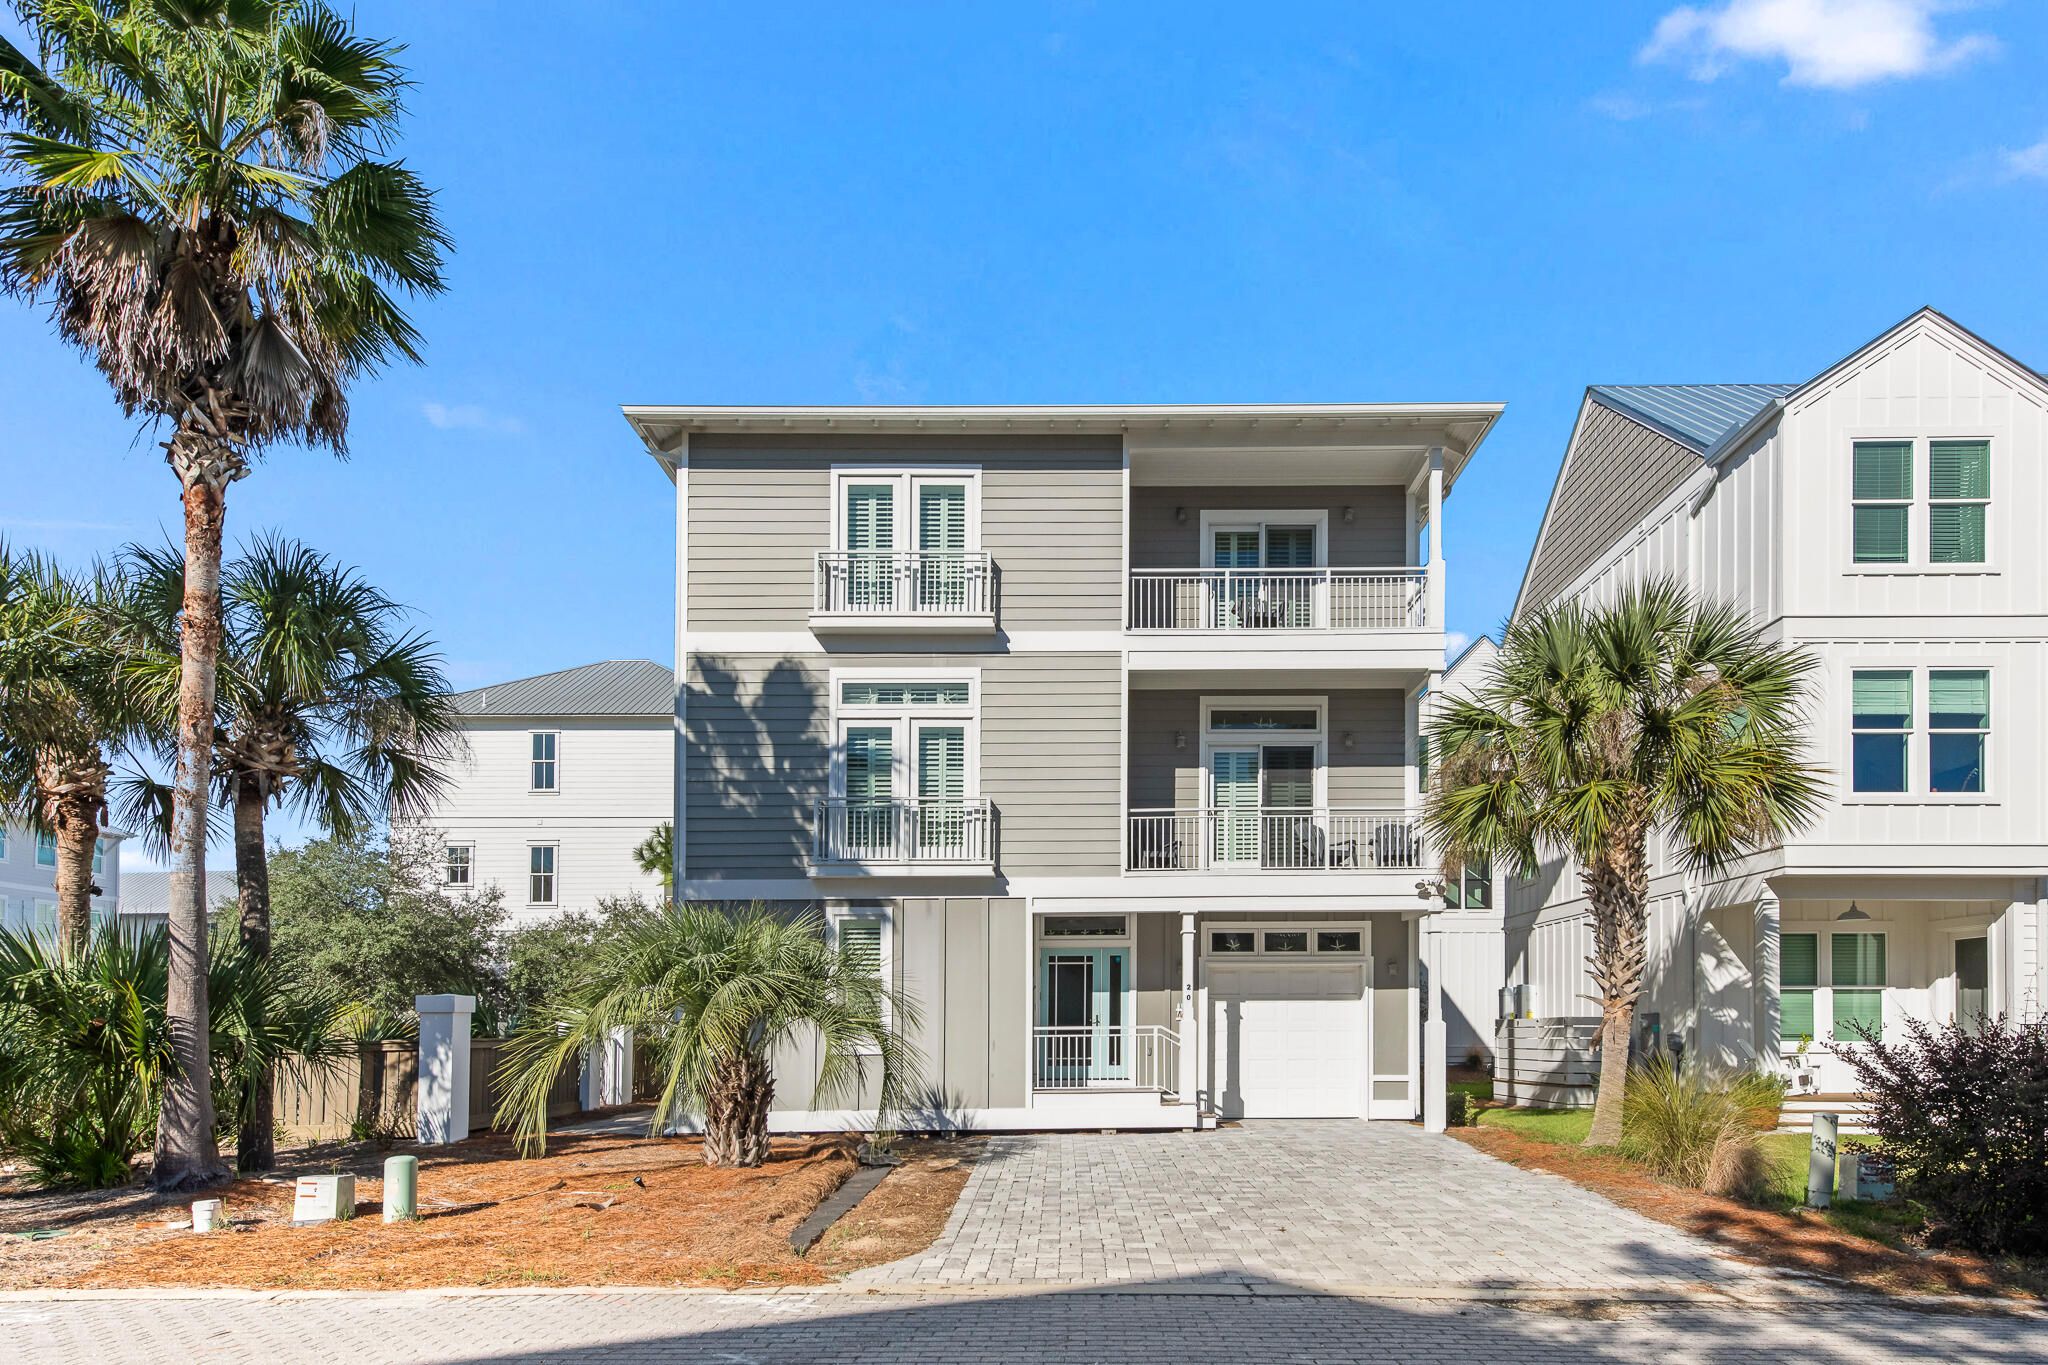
{"x": 1333, "y": 1204}
{"x": 1041, "y": 1329}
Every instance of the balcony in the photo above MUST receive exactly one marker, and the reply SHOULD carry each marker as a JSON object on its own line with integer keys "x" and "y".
{"x": 950, "y": 591}
{"x": 1275, "y": 839}
{"x": 941, "y": 836}
{"x": 1279, "y": 599}
{"x": 1106, "y": 1057}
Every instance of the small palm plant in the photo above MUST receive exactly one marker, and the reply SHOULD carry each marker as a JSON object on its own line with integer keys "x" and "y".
{"x": 716, "y": 993}
{"x": 1603, "y": 728}
{"x": 656, "y": 855}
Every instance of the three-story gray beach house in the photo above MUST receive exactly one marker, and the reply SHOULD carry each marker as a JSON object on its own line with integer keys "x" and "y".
{"x": 1095, "y": 725}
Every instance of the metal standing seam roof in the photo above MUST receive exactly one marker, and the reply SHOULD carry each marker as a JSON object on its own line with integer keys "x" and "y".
{"x": 149, "y": 893}
{"x": 616, "y": 687}
{"x": 1696, "y": 415}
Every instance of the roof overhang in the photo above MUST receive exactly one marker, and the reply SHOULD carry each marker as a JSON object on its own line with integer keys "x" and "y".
{"x": 1456, "y": 427}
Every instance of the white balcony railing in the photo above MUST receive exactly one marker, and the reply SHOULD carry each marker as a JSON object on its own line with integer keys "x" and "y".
{"x": 1106, "y": 1057}
{"x": 1279, "y": 599}
{"x": 902, "y": 583}
{"x": 903, "y": 832}
{"x": 1276, "y": 839}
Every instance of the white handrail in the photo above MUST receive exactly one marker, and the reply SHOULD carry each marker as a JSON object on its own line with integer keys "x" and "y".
{"x": 1280, "y": 599}
{"x": 1273, "y": 838}
{"x": 902, "y": 582}
{"x": 907, "y": 831}
{"x": 1105, "y": 1056}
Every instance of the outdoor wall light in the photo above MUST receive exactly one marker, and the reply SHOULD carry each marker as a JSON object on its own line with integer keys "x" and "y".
{"x": 1180, "y": 739}
{"x": 1350, "y": 742}
{"x": 1349, "y": 515}
{"x": 1180, "y": 516}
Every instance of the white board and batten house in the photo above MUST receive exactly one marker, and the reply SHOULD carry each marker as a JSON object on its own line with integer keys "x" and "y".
{"x": 1474, "y": 948}
{"x": 28, "y": 879}
{"x": 1095, "y": 726}
{"x": 1886, "y": 516}
{"x": 564, "y": 775}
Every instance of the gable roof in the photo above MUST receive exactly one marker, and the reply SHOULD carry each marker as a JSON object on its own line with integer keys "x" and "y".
{"x": 1696, "y": 415}
{"x": 616, "y": 687}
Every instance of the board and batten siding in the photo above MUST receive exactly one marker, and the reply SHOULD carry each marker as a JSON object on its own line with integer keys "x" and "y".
{"x": 760, "y": 757}
{"x": 1375, "y": 537}
{"x": 1616, "y": 471}
{"x": 1371, "y": 774}
{"x": 760, "y": 508}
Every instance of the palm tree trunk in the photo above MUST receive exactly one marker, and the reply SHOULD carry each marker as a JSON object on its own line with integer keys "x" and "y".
{"x": 1617, "y": 886}
{"x": 256, "y": 1142}
{"x": 186, "y": 1155}
{"x": 77, "y": 830}
{"x": 736, "y": 1112}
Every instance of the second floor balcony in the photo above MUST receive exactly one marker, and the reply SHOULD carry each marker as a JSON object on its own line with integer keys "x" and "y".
{"x": 1259, "y": 600}
{"x": 898, "y": 590}
{"x": 951, "y": 835}
{"x": 1274, "y": 839}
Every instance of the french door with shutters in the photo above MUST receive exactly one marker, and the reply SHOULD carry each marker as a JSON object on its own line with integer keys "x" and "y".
{"x": 907, "y": 538}
{"x": 941, "y": 788}
{"x": 870, "y": 781}
{"x": 1264, "y": 797}
{"x": 1084, "y": 1017}
{"x": 1249, "y": 595}
{"x": 906, "y": 781}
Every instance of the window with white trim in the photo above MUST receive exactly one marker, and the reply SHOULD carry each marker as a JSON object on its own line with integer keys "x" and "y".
{"x": 99, "y": 856}
{"x": 905, "y": 750}
{"x": 1886, "y": 715}
{"x": 540, "y": 878}
{"x": 907, "y": 535}
{"x": 456, "y": 864}
{"x": 1958, "y": 724}
{"x": 1472, "y": 889}
{"x": 1842, "y": 988}
{"x": 1881, "y": 726}
{"x": 861, "y": 934}
{"x": 1950, "y": 525}
{"x": 3, "y": 843}
{"x": 46, "y": 850}
{"x": 46, "y": 919}
{"x": 542, "y": 774}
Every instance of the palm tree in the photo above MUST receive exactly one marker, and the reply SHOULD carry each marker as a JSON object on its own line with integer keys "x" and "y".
{"x": 64, "y": 707}
{"x": 204, "y": 204}
{"x": 1603, "y": 727}
{"x": 717, "y": 992}
{"x": 324, "y": 707}
{"x": 656, "y": 855}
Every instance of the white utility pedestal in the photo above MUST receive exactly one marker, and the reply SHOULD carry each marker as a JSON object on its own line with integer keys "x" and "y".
{"x": 444, "y": 1067}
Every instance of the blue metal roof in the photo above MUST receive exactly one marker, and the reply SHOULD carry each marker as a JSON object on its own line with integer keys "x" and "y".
{"x": 1697, "y": 415}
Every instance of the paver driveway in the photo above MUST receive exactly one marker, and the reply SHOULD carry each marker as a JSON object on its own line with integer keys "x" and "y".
{"x": 1320, "y": 1204}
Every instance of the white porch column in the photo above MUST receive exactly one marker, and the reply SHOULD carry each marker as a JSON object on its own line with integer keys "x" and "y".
{"x": 1763, "y": 984}
{"x": 608, "y": 1071}
{"x": 1435, "y": 1035}
{"x": 444, "y": 1067}
{"x": 1190, "y": 1019}
{"x": 1436, "y": 538}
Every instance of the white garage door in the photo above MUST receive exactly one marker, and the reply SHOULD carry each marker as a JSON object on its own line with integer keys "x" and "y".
{"x": 1287, "y": 1041}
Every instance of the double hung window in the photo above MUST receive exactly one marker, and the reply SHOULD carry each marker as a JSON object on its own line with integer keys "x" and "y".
{"x": 1844, "y": 1002}
{"x": 455, "y": 866}
{"x": 1884, "y": 715}
{"x": 1892, "y": 524}
{"x": 540, "y": 878}
{"x": 542, "y": 776}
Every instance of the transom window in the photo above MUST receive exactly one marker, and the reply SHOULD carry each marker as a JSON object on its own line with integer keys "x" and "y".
{"x": 1883, "y": 708}
{"x": 904, "y": 694}
{"x": 543, "y": 772}
{"x": 1845, "y": 988}
{"x": 1949, "y": 526}
{"x": 1264, "y": 718}
{"x": 1083, "y": 926}
{"x": 540, "y": 881}
{"x": 1285, "y": 941}
{"x": 455, "y": 865}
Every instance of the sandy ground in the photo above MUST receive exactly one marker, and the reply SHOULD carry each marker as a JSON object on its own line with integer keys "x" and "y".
{"x": 596, "y": 1210}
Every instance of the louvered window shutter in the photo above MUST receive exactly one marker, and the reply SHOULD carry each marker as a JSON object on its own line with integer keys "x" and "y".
{"x": 869, "y": 756}
{"x": 1798, "y": 974}
{"x": 942, "y": 541}
{"x": 1290, "y": 547}
{"x": 871, "y": 541}
{"x": 1958, "y": 486}
{"x": 860, "y": 943}
{"x": 1882, "y": 486}
{"x": 941, "y": 763}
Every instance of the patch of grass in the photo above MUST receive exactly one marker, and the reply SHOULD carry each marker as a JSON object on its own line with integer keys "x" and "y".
{"x": 1545, "y": 1125}
{"x": 1477, "y": 1091}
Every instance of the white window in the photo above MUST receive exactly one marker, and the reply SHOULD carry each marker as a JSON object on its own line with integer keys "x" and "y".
{"x": 99, "y": 856}
{"x": 1285, "y": 940}
{"x": 1266, "y": 539}
{"x": 908, "y": 536}
{"x": 3, "y": 843}
{"x": 1886, "y": 721}
{"x": 543, "y": 772}
{"x": 46, "y": 919}
{"x": 1837, "y": 995}
{"x": 905, "y": 750}
{"x": 46, "y": 850}
{"x": 863, "y": 933}
{"x": 1892, "y": 523}
{"x": 540, "y": 881}
{"x": 1263, "y": 766}
{"x": 455, "y": 866}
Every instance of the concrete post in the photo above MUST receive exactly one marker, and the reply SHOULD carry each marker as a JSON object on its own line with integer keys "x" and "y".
{"x": 444, "y": 1067}
{"x": 608, "y": 1071}
{"x": 1763, "y": 985}
{"x": 1190, "y": 1023}
{"x": 1435, "y": 1036}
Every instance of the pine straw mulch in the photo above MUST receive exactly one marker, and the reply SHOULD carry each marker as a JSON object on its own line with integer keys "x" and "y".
{"x": 572, "y": 1217}
{"x": 1790, "y": 1241}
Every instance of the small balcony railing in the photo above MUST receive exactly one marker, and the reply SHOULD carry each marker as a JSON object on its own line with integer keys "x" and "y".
{"x": 1106, "y": 1057}
{"x": 1275, "y": 839}
{"x": 909, "y": 833}
{"x": 855, "y": 583}
{"x": 1279, "y": 599}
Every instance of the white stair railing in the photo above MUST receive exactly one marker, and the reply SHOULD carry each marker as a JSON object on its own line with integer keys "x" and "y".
{"x": 1107, "y": 1056}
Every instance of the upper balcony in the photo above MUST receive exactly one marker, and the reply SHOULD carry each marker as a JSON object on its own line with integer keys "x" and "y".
{"x": 944, "y": 591}
{"x": 1273, "y": 600}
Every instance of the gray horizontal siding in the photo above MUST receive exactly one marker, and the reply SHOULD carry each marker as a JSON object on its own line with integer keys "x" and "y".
{"x": 1371, "y": 773}
{"x": 760, "y": 509}
{"x": 1375, "y": 538}
{"x": 760, "y": 757}
{"x": 1619, "y": 470}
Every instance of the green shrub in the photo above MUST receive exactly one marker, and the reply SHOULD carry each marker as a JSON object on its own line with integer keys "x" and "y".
{"x": 1699, "y": 1133}
{"x": 1458, "y": 1109}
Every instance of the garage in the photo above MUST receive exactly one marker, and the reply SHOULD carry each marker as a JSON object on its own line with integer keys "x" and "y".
{"x": 1287, "y": 1039}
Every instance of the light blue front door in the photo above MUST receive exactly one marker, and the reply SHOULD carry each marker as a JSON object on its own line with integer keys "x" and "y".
{"x": 1081, "y": 1015}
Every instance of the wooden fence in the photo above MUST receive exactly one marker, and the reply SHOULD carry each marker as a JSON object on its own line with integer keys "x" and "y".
{"x": 1549, "y": 1063}
{"x": 380, "y": 1093}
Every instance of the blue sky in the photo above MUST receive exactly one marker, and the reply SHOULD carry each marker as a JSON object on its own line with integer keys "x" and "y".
{"x": 1093, "y": 203}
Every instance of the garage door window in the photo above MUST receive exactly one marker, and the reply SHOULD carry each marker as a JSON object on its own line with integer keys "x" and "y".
{"x": 1285, "y": 941}
{"x": 1233, "y": 942}
{"x": 1341, "y": 941}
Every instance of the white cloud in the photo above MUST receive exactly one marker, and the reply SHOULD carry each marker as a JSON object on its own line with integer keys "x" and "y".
{"x": 470, "y": 417}
{"x": 2028, "y": 163}
{"x": 1827, "y": 44}
{"x": 1455, "y": 642}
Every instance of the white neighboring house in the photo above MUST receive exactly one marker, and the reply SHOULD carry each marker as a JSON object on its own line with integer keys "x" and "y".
{"x": 566, "y": 774}
{"x": 1474, "y": 948}
{"x": 146, "y": 897}
{"x": 1885, "y": 515}
{"x": 28, "y": 878}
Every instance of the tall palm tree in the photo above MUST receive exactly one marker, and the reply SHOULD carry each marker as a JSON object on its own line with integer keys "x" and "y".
{"x": 717, "y": 992}
{"x": 324, "y": 706}
{"x": 202, "y": 199}
{"x": 1603, "y": 728}
{"x": 65, "y": 708}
